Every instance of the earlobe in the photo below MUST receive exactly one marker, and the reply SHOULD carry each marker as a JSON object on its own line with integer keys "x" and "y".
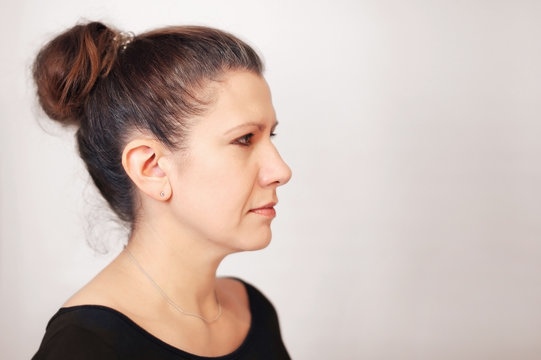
{"x": 144, "y": 162}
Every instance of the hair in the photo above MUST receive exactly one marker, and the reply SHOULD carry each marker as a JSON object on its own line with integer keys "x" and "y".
{"x": 109, "y": 84}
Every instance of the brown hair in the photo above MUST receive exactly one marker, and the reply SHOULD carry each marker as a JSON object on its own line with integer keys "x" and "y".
{"x": 91, "y": 77}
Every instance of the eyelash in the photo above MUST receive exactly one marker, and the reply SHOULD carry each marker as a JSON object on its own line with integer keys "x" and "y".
{"x": 245, "y": 140}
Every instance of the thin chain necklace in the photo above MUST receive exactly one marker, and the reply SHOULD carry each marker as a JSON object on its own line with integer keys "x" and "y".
{"x": 171, "y": 302}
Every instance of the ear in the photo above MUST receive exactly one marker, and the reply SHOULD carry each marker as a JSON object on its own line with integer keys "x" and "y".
{"x": 147, "y": 166}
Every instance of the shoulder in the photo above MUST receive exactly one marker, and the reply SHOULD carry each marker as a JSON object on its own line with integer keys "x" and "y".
{"x": 98, "y": 332}
{"x": 78, "y": 333}
{"x": 107, "y": 288}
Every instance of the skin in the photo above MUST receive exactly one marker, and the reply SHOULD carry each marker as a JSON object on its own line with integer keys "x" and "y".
{"x": 218, "y": 197}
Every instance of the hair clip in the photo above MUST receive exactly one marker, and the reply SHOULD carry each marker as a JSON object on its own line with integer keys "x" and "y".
{"x": 124, "y": 38}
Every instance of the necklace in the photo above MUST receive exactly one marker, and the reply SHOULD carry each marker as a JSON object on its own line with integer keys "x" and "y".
{"x": 168, "y": 299}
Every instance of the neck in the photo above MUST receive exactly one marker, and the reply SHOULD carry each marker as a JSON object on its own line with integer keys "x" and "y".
{"x": 183, "y": 268}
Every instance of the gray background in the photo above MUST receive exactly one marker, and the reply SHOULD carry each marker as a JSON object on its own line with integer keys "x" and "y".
{"x": 411, "y": 227}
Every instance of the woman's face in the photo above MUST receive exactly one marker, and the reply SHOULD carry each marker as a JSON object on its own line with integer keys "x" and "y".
{"x": 224, "y": 184}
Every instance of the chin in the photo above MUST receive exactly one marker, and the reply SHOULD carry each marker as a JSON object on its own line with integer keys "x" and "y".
{"x": 258, "y": 242}
{"x": 263, "y": 244}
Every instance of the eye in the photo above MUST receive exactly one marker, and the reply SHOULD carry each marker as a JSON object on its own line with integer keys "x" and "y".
{"x": 245, "y": 140}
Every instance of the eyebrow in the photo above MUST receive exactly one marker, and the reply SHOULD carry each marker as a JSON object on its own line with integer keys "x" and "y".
{"x": 259, "y": 125}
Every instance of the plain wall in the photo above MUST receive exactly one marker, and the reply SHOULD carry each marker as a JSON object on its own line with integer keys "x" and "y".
{"x": 411, "y": 228}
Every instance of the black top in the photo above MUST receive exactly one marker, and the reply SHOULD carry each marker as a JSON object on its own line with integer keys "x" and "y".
{"x": 99, "y": 332}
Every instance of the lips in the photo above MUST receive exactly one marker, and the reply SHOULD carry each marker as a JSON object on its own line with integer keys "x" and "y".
{"x": 265, "y": 210}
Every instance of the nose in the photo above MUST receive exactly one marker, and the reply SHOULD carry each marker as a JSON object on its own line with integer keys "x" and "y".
{"x": 273, "y": 170}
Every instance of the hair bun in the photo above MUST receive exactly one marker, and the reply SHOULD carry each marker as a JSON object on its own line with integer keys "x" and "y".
{"x": 67, "y": 68}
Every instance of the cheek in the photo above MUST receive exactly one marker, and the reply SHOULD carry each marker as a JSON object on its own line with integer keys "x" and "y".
{"x": 216, "y": 189}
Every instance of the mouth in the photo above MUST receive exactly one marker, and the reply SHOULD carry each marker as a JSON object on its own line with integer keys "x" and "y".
{"x": 265, "y": 210}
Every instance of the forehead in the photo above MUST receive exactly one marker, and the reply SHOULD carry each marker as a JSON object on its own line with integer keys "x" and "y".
{"x": 240, "y": 97}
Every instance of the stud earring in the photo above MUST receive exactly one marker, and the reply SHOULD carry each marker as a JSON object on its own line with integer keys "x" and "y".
{"x": 162, "y": 194}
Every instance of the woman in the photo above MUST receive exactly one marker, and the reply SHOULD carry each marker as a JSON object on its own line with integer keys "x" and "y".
{"x": 175, "y": 128}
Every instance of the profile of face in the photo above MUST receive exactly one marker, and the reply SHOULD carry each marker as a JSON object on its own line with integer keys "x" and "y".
{"x": 224, "y": 183}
